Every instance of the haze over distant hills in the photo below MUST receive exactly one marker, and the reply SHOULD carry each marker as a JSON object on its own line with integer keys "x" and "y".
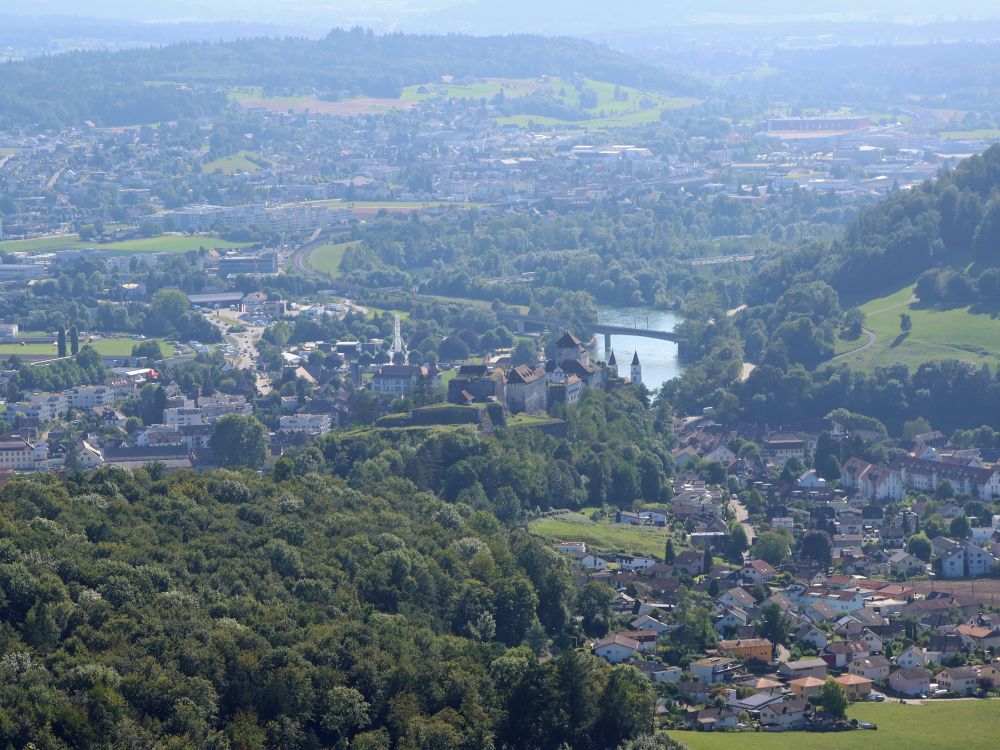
{"x": 498, "y": 16}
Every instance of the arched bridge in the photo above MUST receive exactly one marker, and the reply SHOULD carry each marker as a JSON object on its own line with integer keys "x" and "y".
{"x": 606, "y": 329}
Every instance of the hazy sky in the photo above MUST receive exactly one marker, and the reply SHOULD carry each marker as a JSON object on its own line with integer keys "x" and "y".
{"x": 488, "y": 16}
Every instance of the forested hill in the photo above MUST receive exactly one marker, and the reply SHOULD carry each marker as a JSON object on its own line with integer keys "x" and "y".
{"x": 150, "y": 85}
{"x": 944, "y": 234}
{"x": 376, "y": 590}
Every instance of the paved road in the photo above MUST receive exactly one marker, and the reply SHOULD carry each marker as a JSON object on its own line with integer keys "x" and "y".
{"x": 742, "y": 514}
{"x": 869, "y": 335}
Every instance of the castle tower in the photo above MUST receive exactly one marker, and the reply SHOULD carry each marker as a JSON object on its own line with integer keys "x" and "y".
{"x": 636, "y": 370}
{"x": 613, "y": 365}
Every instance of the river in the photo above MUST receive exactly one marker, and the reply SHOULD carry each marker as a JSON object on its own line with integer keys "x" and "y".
{"x": 658, "y": 358}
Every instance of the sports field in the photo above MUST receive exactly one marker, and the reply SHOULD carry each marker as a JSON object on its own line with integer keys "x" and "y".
{"x": 164, "y": 243}
{"x": 110, "y": 347}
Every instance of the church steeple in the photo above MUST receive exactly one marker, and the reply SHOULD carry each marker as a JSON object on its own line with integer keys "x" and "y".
{"x": 636, "y": 370}
{"x": 613, "y": 365}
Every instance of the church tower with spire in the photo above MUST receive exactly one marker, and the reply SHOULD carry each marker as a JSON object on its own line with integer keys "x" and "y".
{"x": 636, "y": 370}
{"x": 613, "y": 365}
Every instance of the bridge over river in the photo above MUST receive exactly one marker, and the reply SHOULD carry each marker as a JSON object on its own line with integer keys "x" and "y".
{"x": 606, "y": 329}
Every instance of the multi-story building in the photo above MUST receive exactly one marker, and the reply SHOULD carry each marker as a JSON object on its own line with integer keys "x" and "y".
{"x": 89, "y": 396}
{"x": 314, "y": 424}
{"x": 183, "y": 416}
{"x": 41, "y": 406}
{"x": 17, "y": 454}
{"x": 397, "y": 380}
{"x": 213, "y": 407}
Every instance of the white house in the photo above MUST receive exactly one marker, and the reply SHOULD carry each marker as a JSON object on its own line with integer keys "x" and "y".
{"x": 650, "y": 624}
{"x": 616, "y": 648}
{"x": 874, "y": 668}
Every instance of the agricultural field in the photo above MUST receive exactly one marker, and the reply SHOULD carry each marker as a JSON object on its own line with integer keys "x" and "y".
{"x": 958, "y": 333}
{"x": 941, "y": 725}
{"x": 633, "y": 107}
{"x": 243, "y": 161}
{"x": 252, "y": 97}
{"x": 327, "y": 258}
{"x": 107, "y": 347}
{"x": 605, "y": 536}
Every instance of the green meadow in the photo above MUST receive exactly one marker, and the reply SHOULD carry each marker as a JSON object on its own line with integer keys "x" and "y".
{"x": 957, "y": 333}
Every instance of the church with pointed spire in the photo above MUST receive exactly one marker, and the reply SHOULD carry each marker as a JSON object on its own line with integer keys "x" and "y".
{"x": 636, "y": 370}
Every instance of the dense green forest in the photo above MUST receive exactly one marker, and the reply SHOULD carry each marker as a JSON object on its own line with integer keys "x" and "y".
{"x": 950, "y": 223}
{"x": 356, "y": 599}
{"x": 164, "y": 83}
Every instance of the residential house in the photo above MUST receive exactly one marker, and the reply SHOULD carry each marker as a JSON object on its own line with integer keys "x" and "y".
{"x": 757, "y": 571}
{"x": 765, "y": 685}
{"x": 912, "y": 656}
{"x": 875, "y": 668}
{"x": 589, "y": 560}
{"x": 965, "y": 560}
{"x": 857, "y": 688}
{"x": 979, "y": 636}
{"x": 731, "y": 618}
{"x": 990, "y": 674}
{"x": 748, "y": 649}
{"x": 690, "y": 562}
{"x": 806, "y": 687}
{"x": 789, "y": 714}
{"x": 616, "y": 648}
{"x": 841, "y": 653}
{"x": 793, "y": 670}
{"x": 714, "y": 670}
{"x": 808, "y": 634}
{"x": 902, "y": 563}
{"x": 651, "y": 624}
{"x": 713, "y": 719}
{"x": 736, "y": 597}
{"x": 911, "y": 681}
{"x": 961, "y": 680}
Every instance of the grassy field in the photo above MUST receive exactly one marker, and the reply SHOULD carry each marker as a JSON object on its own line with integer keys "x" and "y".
{"x": 606, "y": 537}
{"x": 327, "y": 258}
{"x": 42, "y": 243}
{"x": 944, "y": 725}
{"x": 633, "y": 107}
{"x": 477, "y": 303}
{"x": 957, "y": 333}
{"x": 116, "y": 347}
{"x": 983, "y": 134}
{"x": 166, "y": 243}
{"x": 233, "y": 164}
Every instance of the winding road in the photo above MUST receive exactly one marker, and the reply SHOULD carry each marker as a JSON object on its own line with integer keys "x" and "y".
{"x": 869, "y": 335}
